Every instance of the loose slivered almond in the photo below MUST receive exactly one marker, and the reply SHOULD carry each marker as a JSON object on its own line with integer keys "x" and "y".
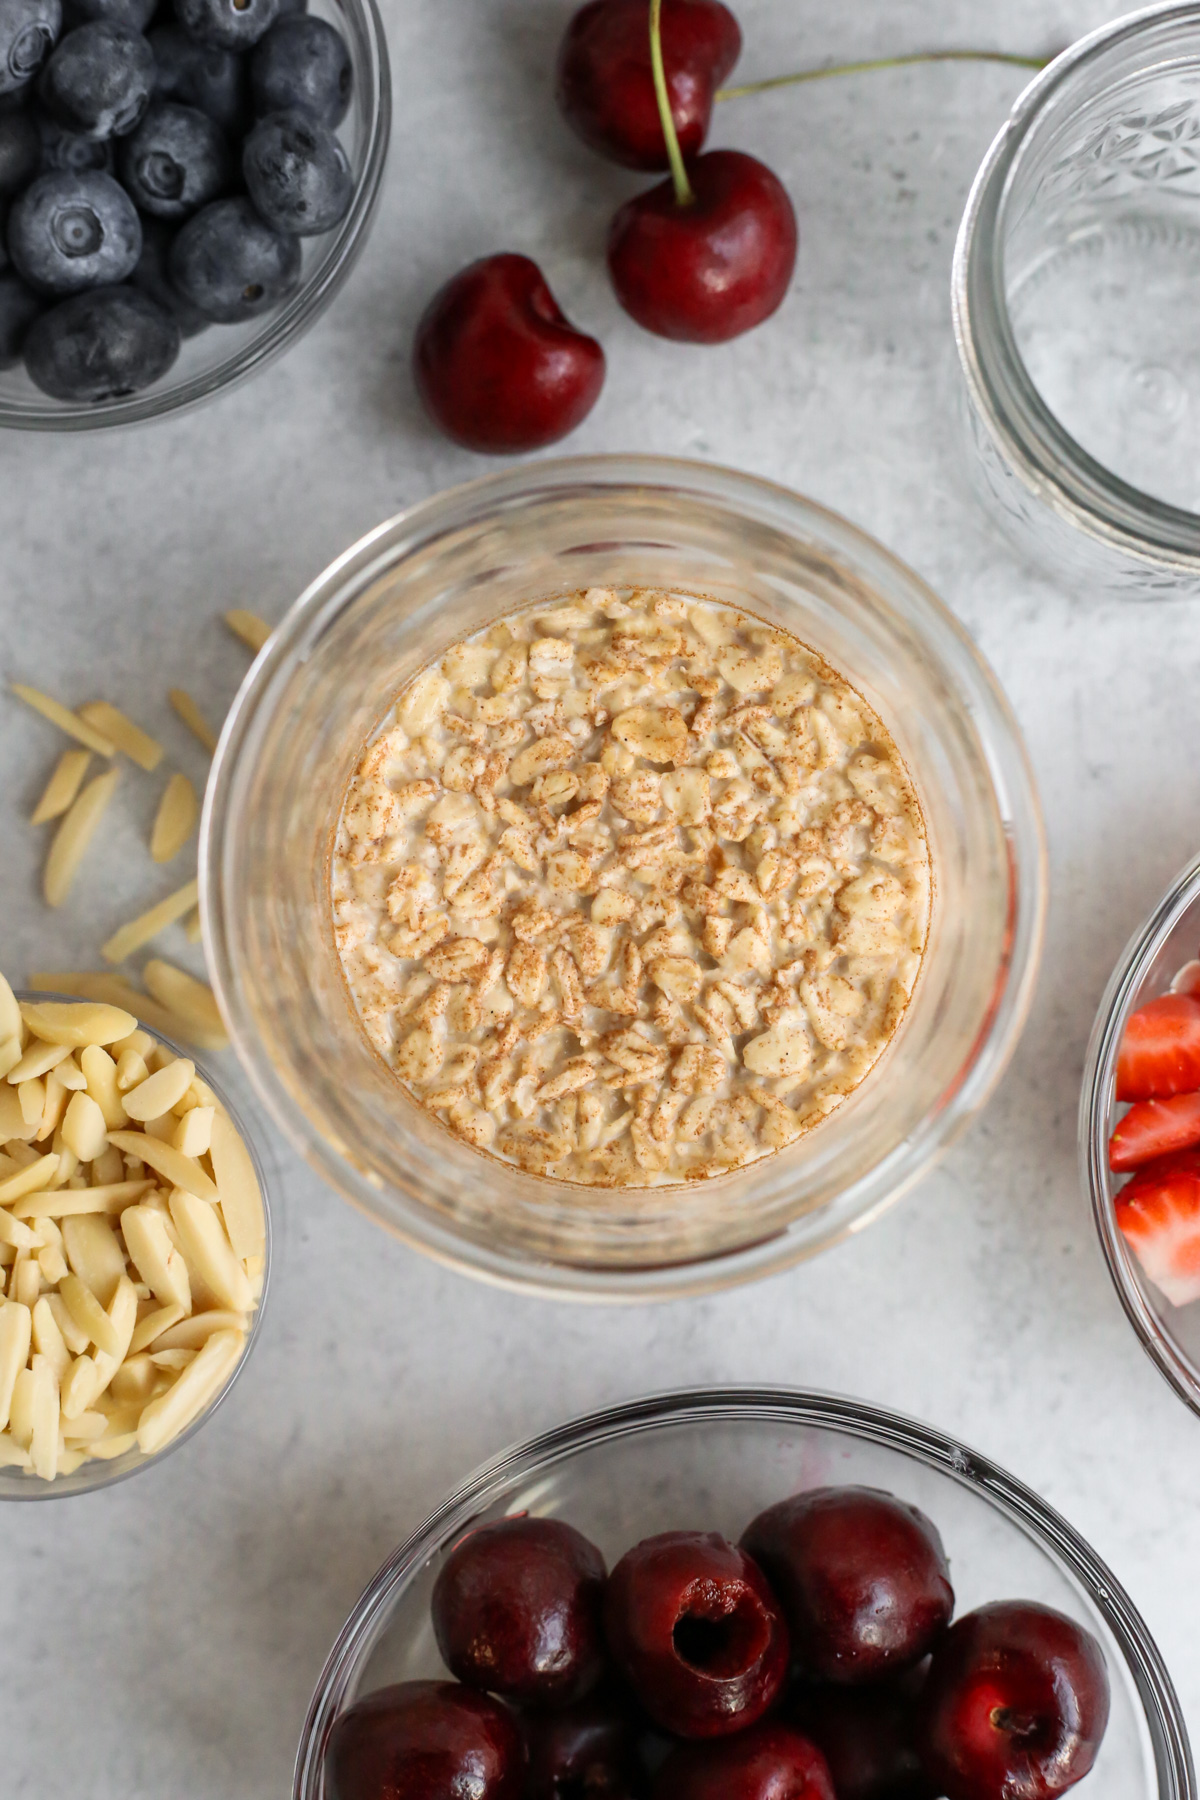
{"x": 66, "y": 720}
{"x": 62, "y": 786}
{"x": 252, "y": 630}
{"x": 190, "y": 1000}
{"x": 175, "y": 820}
{"x": 192, "y": 717}
{"x": 129, "y": 738}
{"x": 74, "y": 834}
{"x": 147, "y": 925}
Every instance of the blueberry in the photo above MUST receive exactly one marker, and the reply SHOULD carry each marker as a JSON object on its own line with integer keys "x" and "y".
{"x": 152, "y": 276}
{"x": 19, "y": 307}
{"x": 231, "y": 265}
{"x": 297, "y": 174}
{"x": 63, "y": 149}
{"x": 20, "y": 151}
{"x": 233, "y": 24}
{"x": 67, "y": 232}
{"x": 302, "y": 62}
{"x": 99, "y": 80}
{"x": 175, "y": 162}
{"x": 28, "y": 33}
{"x": 135, "y": 15}
{"x": 101, "y": 346}
{"x": 201, "y": 75}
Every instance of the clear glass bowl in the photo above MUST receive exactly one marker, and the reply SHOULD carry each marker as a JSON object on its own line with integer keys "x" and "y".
{"x": 94, "y": 1473}
{"x": 226, "y": 354}
{"x": 710, "y": 1461}
{"x": 1170, "y": 937}
{"x": 1074, "y": 286}
{"x": 329, "y": 675}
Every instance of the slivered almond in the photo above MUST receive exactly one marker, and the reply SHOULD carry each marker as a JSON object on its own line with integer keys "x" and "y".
{"x": 190, "y": 1000}
{"x": 147, "y": 925}
{"x": 180, "y": 1170}
{"x": 75, "y": 833}
{"x": 129, "y": 738}
{"x": 193, "y": 718}
{"x": 65, "y": 719}
{"x": 62, "y": 786}
{"x": 175, "y": 820}
{"x": 252, "y": 630}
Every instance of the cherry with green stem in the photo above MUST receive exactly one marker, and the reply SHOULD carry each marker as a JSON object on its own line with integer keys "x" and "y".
{"x": 707, "y": 254}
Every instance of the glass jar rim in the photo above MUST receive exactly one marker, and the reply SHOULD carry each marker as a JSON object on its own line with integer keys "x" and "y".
{"x": 819, "y": 1410}
{"x": 1049, "y": 462}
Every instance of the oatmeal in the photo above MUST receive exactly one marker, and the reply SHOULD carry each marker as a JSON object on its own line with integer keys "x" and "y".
{"x": 630, "y": 888}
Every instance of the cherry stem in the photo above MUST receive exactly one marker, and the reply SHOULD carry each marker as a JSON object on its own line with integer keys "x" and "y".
{"x": 683, "y": 187}
{"x": 879, "y": 62}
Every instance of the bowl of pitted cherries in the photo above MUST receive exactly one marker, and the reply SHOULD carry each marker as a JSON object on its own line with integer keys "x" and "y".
{"x": 750, "y": 1595}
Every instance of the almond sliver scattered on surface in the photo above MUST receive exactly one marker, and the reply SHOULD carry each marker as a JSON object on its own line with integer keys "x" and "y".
{"x": 74, "y": 834}
{"x": 129, "y": 738}
{"x": 175, "y": 820}
{"x": 252, "y": 630}
{"x": 147, "y": 925}
{"x": 186, "y": 709}
{"x": 65, "y": 719}
{"x": 62, "y": 786}
{"x": 191, "y": 1000}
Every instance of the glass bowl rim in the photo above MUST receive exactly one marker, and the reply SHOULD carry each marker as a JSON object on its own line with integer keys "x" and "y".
{"x": 281, "y": 329}
{"x": 1176, "y": 1367}
{"x": 1048, "y": 461}
{"x": 109, "y": 1474}
{"x": 799, "y": 1406}
{"x": 1004, "y": 753}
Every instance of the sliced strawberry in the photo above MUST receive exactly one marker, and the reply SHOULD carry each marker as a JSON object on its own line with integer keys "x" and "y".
{"x": 1154, "y": 1128}
{"x": 1160, "y": 1052}
{"x": 1159, "y": 1214}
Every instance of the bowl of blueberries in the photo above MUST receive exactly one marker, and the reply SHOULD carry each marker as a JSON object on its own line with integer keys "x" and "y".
{"x": 744, "y": 1594}
{"x": 184, "y": 185}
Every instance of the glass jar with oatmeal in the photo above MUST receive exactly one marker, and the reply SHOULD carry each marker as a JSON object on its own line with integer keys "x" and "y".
{"x": 622, "y": 877}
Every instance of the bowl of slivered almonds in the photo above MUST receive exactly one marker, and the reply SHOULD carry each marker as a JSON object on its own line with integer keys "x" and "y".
{"x": 621, "y": 877}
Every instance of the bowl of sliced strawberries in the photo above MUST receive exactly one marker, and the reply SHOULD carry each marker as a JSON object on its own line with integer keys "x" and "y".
{"x": 1140, "y": 1132}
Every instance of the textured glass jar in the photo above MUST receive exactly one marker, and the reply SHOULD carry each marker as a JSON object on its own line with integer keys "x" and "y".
{"x": 330, "y": 674}
{"x": 710, "y": 1461}
{"x": 1159, "y": 948}
{"x": 224, "y": 355}
{"x": 1075, "y": 288}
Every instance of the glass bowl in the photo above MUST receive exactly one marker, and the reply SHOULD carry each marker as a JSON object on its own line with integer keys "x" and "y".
{"x": 329, "y": 675}
{"x": 226, "y": 354}
{"x": 710, "y": 1461}
{"x": 1170, "y": 937}
{"x": 95, "y": 1473}
{"x": 1073, "y": 287}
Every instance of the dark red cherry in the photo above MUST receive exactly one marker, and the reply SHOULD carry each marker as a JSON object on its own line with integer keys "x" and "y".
{"x": 862, "y": 1577}
{"x": 498, "y": 364}
{"x": 1015, "y": 1705}
{"x": 605, "y": 86}
{"x": 697, "y": 1632}
{"x": 867, "y": 1735}
{"x": 424, "y": 1740}
{"x": 712, "y": 268}
{"x": 588, "y": 1752}
{"x": 771, "y": 1762}
{"x": 517, "y": 1609}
